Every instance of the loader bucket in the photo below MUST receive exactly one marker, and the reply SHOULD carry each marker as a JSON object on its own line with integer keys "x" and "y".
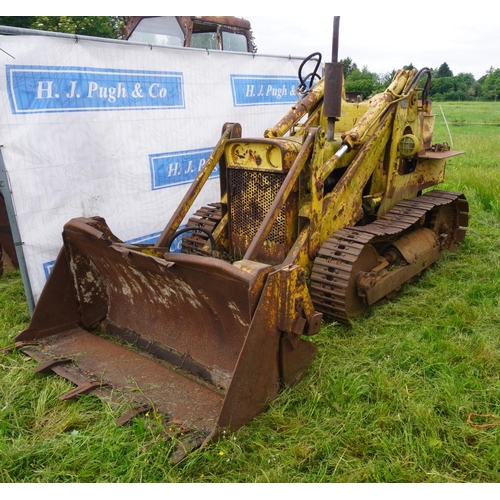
{"x": 205, "y": 342}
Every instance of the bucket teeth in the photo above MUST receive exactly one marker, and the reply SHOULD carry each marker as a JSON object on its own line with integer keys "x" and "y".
{"x": 82, "y": 389}
{"x": 175, "y": 429}
{"x": 185, "y": 439}
{"x": 9, "y": 349}
{"x": 129, "y": 415}
{"x": 185, "y": 446}
{"x": 48, "y": 365}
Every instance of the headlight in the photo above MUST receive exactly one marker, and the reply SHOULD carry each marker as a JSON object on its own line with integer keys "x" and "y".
{"x": 409, "y": 145}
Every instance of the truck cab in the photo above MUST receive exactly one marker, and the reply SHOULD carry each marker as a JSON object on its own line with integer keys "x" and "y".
{"x": 203, "y": 32}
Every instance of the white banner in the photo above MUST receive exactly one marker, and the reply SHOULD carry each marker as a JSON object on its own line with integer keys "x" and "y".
{"x": 119, "y": 130}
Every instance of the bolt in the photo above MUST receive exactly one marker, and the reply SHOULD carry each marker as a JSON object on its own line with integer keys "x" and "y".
{"x": 300, "y": 277}
{"x": 299, "y": 304}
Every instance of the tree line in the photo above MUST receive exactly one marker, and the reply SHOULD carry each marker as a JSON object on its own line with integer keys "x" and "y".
{"x": 101, "y": 26}
{"x": 445, "y": 85}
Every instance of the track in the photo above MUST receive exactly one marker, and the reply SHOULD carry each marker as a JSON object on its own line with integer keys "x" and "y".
{"x": 207, "y": 218}
{"x": 354, "y": 250}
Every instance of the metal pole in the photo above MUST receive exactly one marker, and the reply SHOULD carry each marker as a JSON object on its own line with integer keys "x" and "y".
{"x": 333, "y": 85}
{"x": 18, "y": 243}
{"x": 335, "y": 41}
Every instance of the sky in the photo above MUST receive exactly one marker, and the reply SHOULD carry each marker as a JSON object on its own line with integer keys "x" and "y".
{"x": 382, "y": 39}
{"x": 382, "y": 36}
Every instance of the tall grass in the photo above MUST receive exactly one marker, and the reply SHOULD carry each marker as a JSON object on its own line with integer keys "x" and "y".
{"x": 474, "y": 128}
{"x": 386, "y": 400}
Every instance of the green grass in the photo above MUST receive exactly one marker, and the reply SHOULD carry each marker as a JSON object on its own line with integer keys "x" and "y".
{"x": 386, "y": 400}
{"x": 474, "y": 128}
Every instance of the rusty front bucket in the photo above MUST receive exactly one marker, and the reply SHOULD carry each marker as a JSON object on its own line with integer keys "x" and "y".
{"x": 206, "y": 342}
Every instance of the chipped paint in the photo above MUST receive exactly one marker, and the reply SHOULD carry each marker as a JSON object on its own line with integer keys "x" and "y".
{"x": 185, "y": 292}
{"x": 236, "y": 310}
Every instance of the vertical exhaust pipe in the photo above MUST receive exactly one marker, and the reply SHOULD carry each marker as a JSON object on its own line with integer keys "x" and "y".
{"x": 334, "y": 72}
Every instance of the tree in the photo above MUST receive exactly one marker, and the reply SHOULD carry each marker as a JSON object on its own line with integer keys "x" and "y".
{"x": 453, "y": 88}
{"x": 253, "y": 43}
{"x": 362, "y": 81}
{"x": 100, "y": 26}
{"x": 17, "y": 21}
{"x": 491, "y": 86}
{"x": 384, "y": 80}
{"x": 467, "y": 78}
{"x": 349, "y": 66}
{"x": 444, "y": 71}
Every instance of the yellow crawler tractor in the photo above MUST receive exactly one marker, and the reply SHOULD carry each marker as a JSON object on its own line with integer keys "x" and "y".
{"x": 322, "y": 217}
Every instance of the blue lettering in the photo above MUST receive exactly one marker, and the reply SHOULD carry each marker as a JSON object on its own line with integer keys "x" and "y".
{"x": 91, "y": 89}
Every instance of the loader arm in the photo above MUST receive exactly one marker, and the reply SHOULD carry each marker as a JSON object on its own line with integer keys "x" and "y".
{"x": 358, "y": 152}
{"x": 230, "y": 130}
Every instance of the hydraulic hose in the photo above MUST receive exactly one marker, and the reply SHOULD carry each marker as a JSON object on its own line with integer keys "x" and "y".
{"x": 189, "y": 229}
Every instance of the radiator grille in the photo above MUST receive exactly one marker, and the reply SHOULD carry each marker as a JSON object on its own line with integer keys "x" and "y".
{"x": 252, "y": 194}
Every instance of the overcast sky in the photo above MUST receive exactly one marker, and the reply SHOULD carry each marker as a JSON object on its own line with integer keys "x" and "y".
{"x": 384, "y": 35}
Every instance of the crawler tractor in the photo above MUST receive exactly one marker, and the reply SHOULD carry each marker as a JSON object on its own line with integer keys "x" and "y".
{"x": 322, "y": 217}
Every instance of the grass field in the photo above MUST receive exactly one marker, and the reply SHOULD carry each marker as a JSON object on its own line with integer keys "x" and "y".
{"x": 387, "y": 400}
